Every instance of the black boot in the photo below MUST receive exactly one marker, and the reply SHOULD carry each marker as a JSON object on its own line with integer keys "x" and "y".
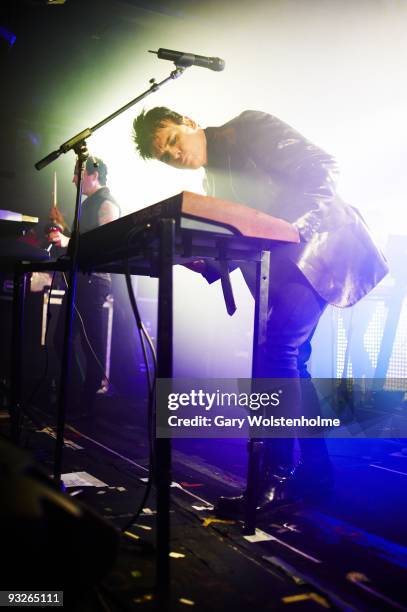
{"x": 272, "y": 455}
{"x": 274, "y": 492}
{"x": 307, "y": 481}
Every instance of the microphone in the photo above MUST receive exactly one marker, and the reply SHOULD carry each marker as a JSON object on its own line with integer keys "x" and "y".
{"x": 189, "y": 59}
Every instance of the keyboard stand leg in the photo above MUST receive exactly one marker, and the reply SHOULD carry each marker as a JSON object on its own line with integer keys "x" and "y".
{"x": 163, "y": 445}
{"x": 259, "y": 340}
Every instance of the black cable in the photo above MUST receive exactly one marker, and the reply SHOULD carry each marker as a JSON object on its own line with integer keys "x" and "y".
{"x": 143, "y": 333}
{"x": 86, "y": 337}
{"x": 151, "y": 380}
{"x": 140, "y": 325}
{"x": 136, "y": 312}
{"x": 150, "y": 409}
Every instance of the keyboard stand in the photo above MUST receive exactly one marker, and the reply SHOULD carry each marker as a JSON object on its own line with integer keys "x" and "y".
{"x": 166, "y": 254}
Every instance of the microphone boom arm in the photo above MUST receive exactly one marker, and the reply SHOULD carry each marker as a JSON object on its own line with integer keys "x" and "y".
{"x": 75, "y": 140}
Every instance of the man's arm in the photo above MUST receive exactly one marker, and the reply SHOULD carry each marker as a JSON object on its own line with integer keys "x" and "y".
{"x": 108, "y": 212}
{"x": 280, "y": 150}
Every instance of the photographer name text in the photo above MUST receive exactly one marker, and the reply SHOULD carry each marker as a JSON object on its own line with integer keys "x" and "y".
{"x": 251, "y": 420}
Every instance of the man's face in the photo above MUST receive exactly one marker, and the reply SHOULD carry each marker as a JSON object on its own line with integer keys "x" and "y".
{"x": 89, "y": 182}
{"x": 180, "y": 146}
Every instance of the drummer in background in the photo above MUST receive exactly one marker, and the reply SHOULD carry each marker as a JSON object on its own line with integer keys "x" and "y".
{"x": 98, "y": 208}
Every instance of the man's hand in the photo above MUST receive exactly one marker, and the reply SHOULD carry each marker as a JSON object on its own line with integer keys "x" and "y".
{"x": 58, "y": 239}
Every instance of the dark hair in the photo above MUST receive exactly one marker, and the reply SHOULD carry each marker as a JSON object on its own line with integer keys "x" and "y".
{"x": 146, "y": 125}
{"x": 94, "y": 164}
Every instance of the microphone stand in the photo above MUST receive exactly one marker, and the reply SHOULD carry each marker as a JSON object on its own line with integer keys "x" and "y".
{"x": 78, "y": 145}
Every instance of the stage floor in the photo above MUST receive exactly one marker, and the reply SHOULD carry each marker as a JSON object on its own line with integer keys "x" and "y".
{"x": 345, "y": 551}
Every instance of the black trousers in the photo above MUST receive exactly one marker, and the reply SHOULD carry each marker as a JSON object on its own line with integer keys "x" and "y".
{"x": 89, "y": 329}
{"x": 294, "y": 311}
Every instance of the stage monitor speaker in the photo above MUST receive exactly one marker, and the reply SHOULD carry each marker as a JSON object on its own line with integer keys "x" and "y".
{"x": 49, "y": 542}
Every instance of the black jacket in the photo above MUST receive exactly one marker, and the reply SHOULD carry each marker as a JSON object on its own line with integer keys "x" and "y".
{"x": 260, "y": 161}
